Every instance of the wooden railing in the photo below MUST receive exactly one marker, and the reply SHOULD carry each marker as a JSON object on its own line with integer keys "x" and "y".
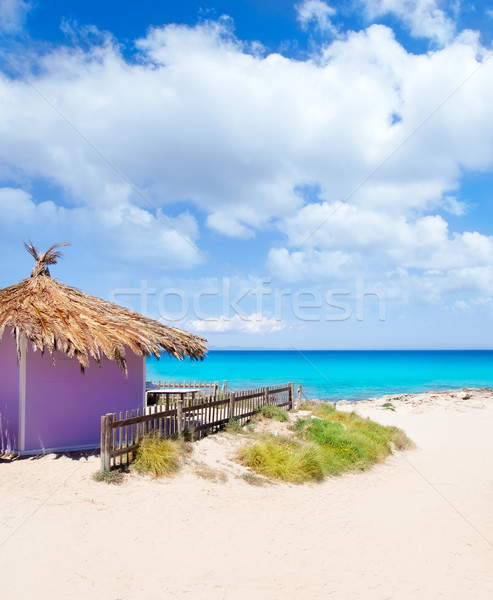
{"x": 207, "y": 388}
{"x": 121, "y": 434}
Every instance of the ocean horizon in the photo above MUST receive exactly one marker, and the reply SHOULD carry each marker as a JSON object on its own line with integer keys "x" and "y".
{"x": 336, "y": 374}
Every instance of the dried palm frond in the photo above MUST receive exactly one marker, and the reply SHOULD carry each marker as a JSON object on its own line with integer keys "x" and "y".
{"x": 44, "y": 259}
{"x": 54, "y": 317}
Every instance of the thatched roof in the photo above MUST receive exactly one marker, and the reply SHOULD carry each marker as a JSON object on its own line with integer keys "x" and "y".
{"x": 54, "y": 316}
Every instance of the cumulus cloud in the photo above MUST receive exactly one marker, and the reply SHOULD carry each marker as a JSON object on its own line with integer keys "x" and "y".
{"x": 252, "y": 324}
{"x": 328, "y": 243}
{"x": 203, "y": 121}
{"x": 423, "y": 18}
{"x": 199, "y": 121}
{"x": 423, "y": 242}
{"x": 124, "y": 233}
{"x": 316, "y": 12}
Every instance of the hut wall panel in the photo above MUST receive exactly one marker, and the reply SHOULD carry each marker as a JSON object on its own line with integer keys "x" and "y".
{"x": 9, "y": 394}
{"x": 64, "y": 406}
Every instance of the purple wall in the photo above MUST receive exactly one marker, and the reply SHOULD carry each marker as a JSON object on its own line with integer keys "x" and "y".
{"x": 64, "y": 406}
{"x": 9, "y": 393}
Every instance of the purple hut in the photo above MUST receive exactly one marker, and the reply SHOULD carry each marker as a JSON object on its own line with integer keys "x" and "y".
{"x": 66, "y": 358}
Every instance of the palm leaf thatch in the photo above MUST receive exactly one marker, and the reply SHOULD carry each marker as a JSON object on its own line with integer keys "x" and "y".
{"x": 54, "y": 316}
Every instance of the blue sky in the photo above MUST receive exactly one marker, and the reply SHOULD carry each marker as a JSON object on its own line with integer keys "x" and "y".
{"x": 268, "y": 174}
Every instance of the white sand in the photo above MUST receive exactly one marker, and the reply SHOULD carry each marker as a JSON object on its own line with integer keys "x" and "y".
{"x": 419, "y": 526}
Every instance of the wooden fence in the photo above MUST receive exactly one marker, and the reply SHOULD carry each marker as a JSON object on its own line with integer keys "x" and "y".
{"x": 121, "y": 434}
{"x": 207, "y": 388}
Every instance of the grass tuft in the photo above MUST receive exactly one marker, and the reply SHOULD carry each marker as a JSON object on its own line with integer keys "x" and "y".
{"x": 233, "y": 426}
{"x": 253, "y": 479}
{"x": 276, "y": 413}
{"x": 159, "y": 457}
{"x": 114, "y": 477}
{"x": 282, "y": 458}
{"x": 400, "y": 439}
{"x": 324, "y": 410}
{"x": 308, "y": 404}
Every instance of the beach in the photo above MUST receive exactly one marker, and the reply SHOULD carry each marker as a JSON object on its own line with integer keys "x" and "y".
{"x": 419, "y": 525}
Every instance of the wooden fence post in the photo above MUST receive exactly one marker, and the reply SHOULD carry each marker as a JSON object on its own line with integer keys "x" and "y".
{"x": 298, "y": 400}
{"x": 225, "y": 389}
{"x": 266, "y": 395}
{"x": 216, "y": 390}
{"x": 179, "y": 415}
{"x": 231, "y": 412}
{"x": 106, "y": 434}
{"x": 291, "y": 395}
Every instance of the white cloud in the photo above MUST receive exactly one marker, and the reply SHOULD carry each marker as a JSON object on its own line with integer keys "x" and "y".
{"x": 331, "y": 243}
{"x": 203, "y": 120}
{"x": 423, "y": 18}
{"x": 455, "y": 207}
{"x": 475, "y": 304}
{"x": 440, "y": 287}
{"x": 13, "y": 15}
{"x": 317, "y": 12}
{"x": 247, "y": 128}
{"x": 123, "y": 233}
{"x": 310, "y": 266}
{"x": 229, "y": 224}
{"x": 252, "y": 324}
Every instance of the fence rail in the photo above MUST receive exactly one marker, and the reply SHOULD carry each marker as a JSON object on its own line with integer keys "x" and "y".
{"x": 207, "y": 388}
{"x": 121, "y": 434}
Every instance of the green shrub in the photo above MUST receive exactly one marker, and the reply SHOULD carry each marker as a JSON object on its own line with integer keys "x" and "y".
{"x": 158, "y": 457}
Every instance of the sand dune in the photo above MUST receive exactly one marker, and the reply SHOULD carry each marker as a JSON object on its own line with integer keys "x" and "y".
{"x": 418, "y": 526}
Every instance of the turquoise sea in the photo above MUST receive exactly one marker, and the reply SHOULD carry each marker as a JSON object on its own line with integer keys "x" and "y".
{"x": 336, "y": 375}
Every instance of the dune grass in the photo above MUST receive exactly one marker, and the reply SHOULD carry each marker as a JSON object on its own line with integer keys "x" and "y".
{"x": 328, "y": 442}
{"x": 255, "y": 480}
{"x": 277, "y": 413}
{"x": 281, "y": 458}
{"x": 114, "y": 477}
{"x": 159, "y": 457}
{"x": 233, "y": 426}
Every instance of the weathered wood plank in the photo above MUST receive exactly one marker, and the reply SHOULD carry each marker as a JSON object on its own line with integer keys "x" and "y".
{"x": 121, "y": 451}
